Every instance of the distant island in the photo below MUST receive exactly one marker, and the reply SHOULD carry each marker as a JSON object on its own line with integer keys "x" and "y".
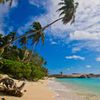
{"x": 75, "y": 75}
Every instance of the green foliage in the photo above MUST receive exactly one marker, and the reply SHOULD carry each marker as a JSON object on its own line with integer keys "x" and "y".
{"x": 7, "y": 38}
{"x": 20, "y": 70}
{"x": 38, "y": 33}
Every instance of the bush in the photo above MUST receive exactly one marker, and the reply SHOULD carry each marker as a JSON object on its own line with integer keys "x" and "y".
{"x": 20, "y": 70}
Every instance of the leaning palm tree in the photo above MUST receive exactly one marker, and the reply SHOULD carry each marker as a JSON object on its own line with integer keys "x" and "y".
{"x": 67, "y": 13}
{"x": 36, "y": 37}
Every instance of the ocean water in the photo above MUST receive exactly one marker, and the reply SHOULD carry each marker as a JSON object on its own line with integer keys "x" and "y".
{"x": 85, "y": 85}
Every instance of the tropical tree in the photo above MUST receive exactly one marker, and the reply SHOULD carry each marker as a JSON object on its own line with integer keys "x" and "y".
{"x": 5, "y": 1}
{"x": 37, "y": 60}
{"x": 67, "y": 13}
{"x": 11, "y": 53}
{"x": 35, "y": 38}
{"x": 6, "y": 40}
{"x": 38, "y": 34}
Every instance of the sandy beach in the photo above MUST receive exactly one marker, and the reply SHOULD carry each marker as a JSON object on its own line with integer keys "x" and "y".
{"x": 50, "y": 90}
{"x": 34, "y": 91}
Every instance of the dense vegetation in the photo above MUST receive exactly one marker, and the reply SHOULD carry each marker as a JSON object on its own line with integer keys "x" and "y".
{"x": 20, "y": 70}
{"x": 21, "y": 63}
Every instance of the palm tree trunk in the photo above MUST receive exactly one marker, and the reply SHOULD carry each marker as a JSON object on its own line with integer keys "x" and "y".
{"x": 51, "y": 23}
{"x": 33, "y": 48}
{"x": 32, "y": 33}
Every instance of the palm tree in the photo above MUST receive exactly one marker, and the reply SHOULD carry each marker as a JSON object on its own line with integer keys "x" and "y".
{"x": 36, "y": 36}
{"x": 6, "y": 40}
{"x": 5, "y": 1}
{"x": 23, "y": 51}
{"x": 67, "y": 9}
{"x": 1, "y": 43}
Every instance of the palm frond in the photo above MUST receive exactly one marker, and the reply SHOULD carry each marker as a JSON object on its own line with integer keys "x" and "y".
{"x": 23, "y": 40}
{"x": 37, "y": 34}
{"x": 67, "y": 10}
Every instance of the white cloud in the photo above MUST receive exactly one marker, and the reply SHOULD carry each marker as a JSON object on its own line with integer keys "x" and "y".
{"x": 86, "y": 28}
{"x": 98, "y": 59}
{"x": 37, "y": 3}
{"x": 86, "y": 16}
{"x": 53, "y": 42}
{"x": 15, "y": 3}
{"x": 3, "y": 12}
{"x": 93, "y": 45}
{"x": 75, "y": 49}
{"x": 82, "y": 35}
{"x": 88, "y": 66}
{"x": 75, "y": 57}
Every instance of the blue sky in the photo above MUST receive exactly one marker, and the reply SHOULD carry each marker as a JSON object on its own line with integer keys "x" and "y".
{"x": 68, "y": 48}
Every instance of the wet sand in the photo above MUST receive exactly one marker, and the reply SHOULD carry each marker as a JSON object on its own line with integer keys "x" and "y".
{"x": 69, "y": 92}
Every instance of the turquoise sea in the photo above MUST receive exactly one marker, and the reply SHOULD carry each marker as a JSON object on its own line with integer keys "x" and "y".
{"x": 87, "y": 85}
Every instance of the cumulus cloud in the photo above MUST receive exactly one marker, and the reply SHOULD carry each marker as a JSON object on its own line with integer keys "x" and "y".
{"x": 88, "y": 66}
{"x": 75, "y": 57}
{"x": 86, "y": 26}
{"x": 75, "y": 49}
{"x": 86, "y": 16}
{"x": 98, "y": 59}
{"x": 52, "y": 42}
{"x": 85, "y": 30}
{"x": 15, "y": 3}
{"x": 82, "y": 35}
{"x": 4, "y": 13}
{"x": 92, "y": 45}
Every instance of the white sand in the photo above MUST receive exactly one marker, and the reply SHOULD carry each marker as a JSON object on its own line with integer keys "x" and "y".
{"x": 34, "y": 91}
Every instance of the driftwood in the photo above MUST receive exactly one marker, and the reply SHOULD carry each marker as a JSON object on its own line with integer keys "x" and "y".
{"x": 14, "y": 91}
{"x": 11, "y": 92}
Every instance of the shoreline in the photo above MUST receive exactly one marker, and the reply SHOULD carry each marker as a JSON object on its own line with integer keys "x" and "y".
{"x": 51, "y": 89}
{"x": 69, "y": 92}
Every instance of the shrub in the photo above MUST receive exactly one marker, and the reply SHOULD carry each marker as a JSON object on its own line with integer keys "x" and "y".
{"x": 20, "y": 70}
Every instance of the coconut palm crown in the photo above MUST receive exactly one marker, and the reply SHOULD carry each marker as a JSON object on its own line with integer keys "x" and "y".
{"x": 67, "y": 10}
{"x": 37, "y": 35}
